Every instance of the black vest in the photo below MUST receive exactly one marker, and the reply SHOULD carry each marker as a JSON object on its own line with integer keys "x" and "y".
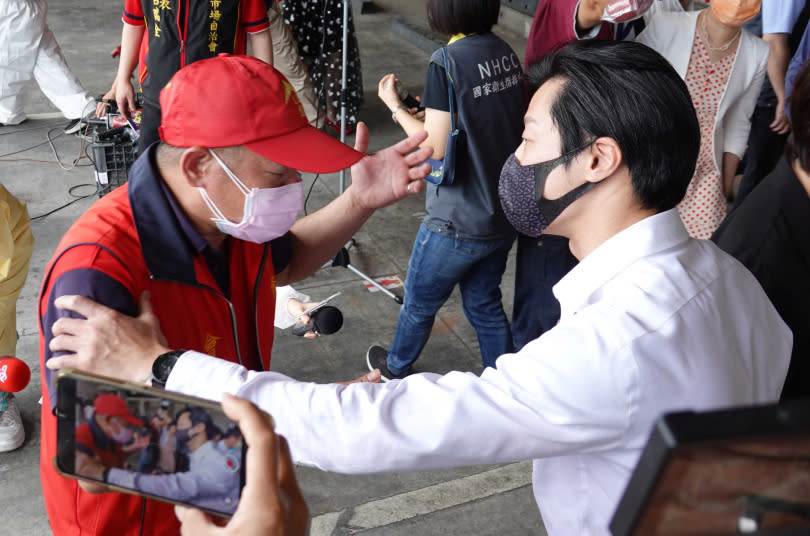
{"x": 184, "y": 31}
{"x": 490, "y": 101}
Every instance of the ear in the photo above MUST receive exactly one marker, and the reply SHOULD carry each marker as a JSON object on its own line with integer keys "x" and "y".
{"x": 605, "y": 159}
{"x": 196, "y": 164}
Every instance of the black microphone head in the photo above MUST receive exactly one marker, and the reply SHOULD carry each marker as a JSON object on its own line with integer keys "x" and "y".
{"x": 327, "y": 320}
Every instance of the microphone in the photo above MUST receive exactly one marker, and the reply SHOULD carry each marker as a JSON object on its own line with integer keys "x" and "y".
{"x": 324, "y": 321}
{"x": 14, "y": 374}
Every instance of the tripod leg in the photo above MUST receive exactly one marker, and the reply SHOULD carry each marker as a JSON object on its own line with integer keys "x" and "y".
{"x": 371, "y": 281}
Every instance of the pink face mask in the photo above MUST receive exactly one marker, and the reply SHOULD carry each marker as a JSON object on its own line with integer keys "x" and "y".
{"x": 268, "y": 213}
{"x": 625, "y": 10}
{"x": 123, "y": 436}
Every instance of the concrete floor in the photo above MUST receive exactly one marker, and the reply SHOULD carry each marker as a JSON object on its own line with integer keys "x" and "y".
{"x": 482, "y": 500}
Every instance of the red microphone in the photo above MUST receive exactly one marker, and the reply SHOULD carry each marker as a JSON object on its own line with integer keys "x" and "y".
{"x": 14, "y": 374}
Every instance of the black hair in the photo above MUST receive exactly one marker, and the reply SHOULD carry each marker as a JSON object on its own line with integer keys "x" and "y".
{"x": 199, "y": 415}
{"x": 450, "y": 17}
{"x": 798, "y": 145}
{"x": 628, "y": 92}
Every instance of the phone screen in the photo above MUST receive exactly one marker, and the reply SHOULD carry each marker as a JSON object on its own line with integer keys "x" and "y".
{"x": 149, "y": 442}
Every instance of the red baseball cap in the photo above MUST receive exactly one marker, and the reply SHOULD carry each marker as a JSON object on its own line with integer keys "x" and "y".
{"x": 239, "y": 100}
{"x": 114, "y": 406}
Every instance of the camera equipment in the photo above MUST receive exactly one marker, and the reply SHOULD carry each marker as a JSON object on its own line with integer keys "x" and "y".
{"x": 113, "y": 141}
{"x": 342, "y": 257}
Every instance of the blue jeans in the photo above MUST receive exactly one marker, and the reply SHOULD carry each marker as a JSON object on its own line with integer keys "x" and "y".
{"x": 540, "y": 264}
{"x": 438, "y": 262}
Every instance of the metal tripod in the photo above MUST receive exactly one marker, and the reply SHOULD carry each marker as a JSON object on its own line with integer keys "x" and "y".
{"x": 342, "y": 257}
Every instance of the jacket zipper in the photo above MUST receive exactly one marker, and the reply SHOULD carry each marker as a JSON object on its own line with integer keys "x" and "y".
{"x": 256, "y": 305}
{"x": 182, "y": 34}
{"x": 230, "y": 310}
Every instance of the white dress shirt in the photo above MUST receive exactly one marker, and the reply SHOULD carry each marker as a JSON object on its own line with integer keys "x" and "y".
{"x": 211, "y": 482}
{"x": 652, "y": 321}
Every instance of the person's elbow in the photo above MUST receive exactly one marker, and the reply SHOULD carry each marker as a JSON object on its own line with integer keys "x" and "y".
{"x": 438, "y": 152}
{"x": 437, "y": 142}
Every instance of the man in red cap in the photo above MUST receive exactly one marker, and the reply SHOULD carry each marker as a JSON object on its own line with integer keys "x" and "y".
{"x": 107, "y": 436}
{"x": 206, "y": 227}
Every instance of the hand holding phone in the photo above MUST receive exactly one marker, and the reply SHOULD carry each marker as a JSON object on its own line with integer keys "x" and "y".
{"x": 271, "y": 485}
{"x": 105, "y": 436}
{"x": 406, "y": 98}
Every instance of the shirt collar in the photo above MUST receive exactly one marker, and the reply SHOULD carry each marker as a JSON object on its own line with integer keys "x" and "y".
{"x": 99, "y": 437}
{"x": 201, "y": 452}
{"x": 194, "y": 237}
{"x": 215, "y": 259}
{"x": 169, "y": 243}
{"x": 649, "y": 236}
{"x": 458, "y": 37}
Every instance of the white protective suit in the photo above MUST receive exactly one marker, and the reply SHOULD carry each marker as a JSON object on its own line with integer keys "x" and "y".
{"x": 28, "y": 50}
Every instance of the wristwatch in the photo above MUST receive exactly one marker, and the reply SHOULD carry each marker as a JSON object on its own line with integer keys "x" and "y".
{"x": 395, "y": 110}
{"x": 162, "y": 367}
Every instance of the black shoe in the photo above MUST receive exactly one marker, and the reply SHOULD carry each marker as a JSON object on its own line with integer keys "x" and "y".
{"x": 377, "y": 358}
{"x": 74, "y": 126}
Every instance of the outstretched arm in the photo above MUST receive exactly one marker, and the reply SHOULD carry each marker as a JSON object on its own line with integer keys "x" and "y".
{"x": 111, "y": 343}
{"x": 378, "y": 180}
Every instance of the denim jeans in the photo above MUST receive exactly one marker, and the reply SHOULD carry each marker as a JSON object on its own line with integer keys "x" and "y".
{"x": 438, "y": 262}
{"x": 540, "y": 264}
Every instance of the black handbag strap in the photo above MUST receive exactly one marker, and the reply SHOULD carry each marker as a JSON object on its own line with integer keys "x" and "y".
{"x": 450, "y": 93}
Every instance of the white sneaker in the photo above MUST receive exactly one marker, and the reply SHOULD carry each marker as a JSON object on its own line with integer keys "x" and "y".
{"x": 12, "y": 433}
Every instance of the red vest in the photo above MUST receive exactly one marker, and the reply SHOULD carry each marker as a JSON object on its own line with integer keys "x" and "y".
{"x": 144, "y": 249}
{"x": 110, "y": 456}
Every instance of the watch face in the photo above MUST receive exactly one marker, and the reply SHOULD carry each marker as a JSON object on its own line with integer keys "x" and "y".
{"x": 164, "y": 364}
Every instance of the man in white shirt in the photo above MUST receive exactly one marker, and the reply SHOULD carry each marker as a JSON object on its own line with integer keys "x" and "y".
{"x": 211, "y": 480}
{"x": 652, "y": 320}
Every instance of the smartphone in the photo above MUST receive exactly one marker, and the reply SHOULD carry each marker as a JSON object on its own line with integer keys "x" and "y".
{"x": 317, "y": 305}
{"x": 406, "y": 97}
{"x": 147, "y": 441}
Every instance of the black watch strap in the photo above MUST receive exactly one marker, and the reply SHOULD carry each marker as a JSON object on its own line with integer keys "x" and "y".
{"x": 162, "y": 367}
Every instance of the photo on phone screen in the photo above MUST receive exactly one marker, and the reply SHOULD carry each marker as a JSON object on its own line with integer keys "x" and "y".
{"x": 149, "y": 442}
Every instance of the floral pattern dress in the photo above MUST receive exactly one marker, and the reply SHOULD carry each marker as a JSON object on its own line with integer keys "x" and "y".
{"x": 317, "y": 26}
{"x": 704, "y": 205}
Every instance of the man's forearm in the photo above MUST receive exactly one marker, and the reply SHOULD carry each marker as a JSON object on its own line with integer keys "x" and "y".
{"x": 318, "y": 237}
{"x": 178, "y": 486}
{"x": 778, "y": 62}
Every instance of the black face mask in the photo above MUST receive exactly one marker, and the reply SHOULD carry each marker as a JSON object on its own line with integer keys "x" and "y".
{"x": 182, "y": 436}
{"x": 521, "y": 192}
{"x": 548, "y": 208}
